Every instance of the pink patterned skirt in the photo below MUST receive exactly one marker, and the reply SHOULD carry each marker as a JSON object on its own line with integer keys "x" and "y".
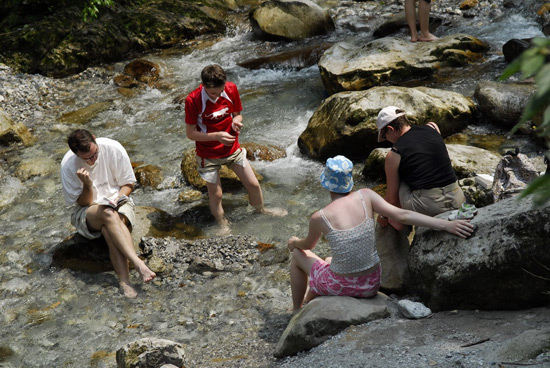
{"x": 322, "y": 281}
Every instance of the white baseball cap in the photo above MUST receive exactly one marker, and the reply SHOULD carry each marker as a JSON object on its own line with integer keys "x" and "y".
{"x": 386, "y": 116}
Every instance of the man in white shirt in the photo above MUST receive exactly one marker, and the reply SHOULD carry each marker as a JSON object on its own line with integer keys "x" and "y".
{"x": 92, "y": 171}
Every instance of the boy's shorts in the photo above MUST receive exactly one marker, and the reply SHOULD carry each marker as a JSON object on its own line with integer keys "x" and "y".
{"x": 322, "y": 281}
{"x": 78, "y": 219}
{"x": 210, "y": 167}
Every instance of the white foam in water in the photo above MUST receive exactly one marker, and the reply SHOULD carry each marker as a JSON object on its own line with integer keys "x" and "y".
{"x": 9, "y": 189}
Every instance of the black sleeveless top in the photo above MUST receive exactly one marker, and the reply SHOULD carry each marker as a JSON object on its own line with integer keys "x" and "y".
{"x": 425, "y": 162}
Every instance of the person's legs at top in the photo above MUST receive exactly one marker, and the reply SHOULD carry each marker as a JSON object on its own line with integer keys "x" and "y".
{"x": 424, "y": 21}
{"x": 300, "y": 268}
{"x": 410, "y": 14}
{"x": 121, "y": 247}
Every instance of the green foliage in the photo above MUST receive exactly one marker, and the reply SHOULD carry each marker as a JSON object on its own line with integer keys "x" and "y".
{"x": 91, "y": 10}
{"x": 535, "y": 62}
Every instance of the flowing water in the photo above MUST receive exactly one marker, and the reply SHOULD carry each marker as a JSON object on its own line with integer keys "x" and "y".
{"x": 54, "y": 318}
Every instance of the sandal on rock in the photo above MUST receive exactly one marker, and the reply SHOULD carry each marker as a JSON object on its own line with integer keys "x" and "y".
{"x": 461, "y": 215}
{"x": 466, "y": 207}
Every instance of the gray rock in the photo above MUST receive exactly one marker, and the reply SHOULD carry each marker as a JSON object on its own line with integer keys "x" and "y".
{"x": 150, "y": 352}
{"x": 350, "y": 67}
{"x": 324, "y": 317}
{"x": 503, "y": 103}
{"x": 503, "y": 266}
{"x": 413, "y": 310}
{"x": 527, "y": 345}
{"x": 345, "y": 123}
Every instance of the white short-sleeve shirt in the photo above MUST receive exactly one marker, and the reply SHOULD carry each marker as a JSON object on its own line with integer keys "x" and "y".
{"x": 109, "y": 173}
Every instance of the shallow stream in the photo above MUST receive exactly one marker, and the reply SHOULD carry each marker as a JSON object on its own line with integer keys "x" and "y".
{"x": 60, "y": 318}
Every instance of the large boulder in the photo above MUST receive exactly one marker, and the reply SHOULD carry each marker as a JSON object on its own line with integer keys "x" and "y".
{"x": 290, "y": 20}
{"x": 504, "y": 266}
{"x": 345, "y": 123}
{"x": 326, "y": 316}
{"x": 503, "y": 103}
{"x": 349, "y": 67}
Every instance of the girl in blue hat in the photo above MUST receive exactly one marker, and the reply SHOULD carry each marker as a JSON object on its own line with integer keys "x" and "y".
{"x": 348, "y": 225}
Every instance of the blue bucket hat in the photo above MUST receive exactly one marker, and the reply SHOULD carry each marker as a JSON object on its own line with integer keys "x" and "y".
{"x": 337, "y": 175}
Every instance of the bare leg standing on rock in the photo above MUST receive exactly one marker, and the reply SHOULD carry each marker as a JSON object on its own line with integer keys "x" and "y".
{"x": 423, "y": 18}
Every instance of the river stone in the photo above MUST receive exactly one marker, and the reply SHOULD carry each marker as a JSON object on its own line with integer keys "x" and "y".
{"x": 11, "y": 132}
{"x": 504, "y": 266}
{"x": 256, "y": 151}
{"x": 298, "y": 58}
{"x": 503, "y": 103}
{"x": 229, "y": 180}
{"x": 40, "y": 165}
{"x": 349, "y": 67}
{"x": 149, "y": 176}
{"x": 143, "y": 71}
{"x": 413, "y": 310}
{"x": 345, "y": 123}
{"x": 290, "y": 20}
{"x": 86, "y": 114}
{"x": 150, "y": 352}
{"x": 325, "y": 316}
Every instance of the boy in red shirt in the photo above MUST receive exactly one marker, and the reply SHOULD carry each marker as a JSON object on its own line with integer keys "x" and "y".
{"x": 213, "y": 120}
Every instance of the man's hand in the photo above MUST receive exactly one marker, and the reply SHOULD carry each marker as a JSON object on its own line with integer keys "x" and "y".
{"x": 84, "y": 177}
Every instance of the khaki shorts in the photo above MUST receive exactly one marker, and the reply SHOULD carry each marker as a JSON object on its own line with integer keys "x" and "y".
{"x": 78, "y": 219}
{"x": 210, "y": 167}
{"x": 432, "y": 201}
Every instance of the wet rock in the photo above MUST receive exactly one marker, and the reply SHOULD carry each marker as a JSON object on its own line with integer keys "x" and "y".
{"x": 345, "y": 123}
{"x": 125, "y": 81}
{"x": 229, "y": 180}
{"x": 513, "y": 48}
{"x": 81, "y": 254}
{"x": 350, "y": 67}
{"x": 508, "y": 253}
{"x": 468, "y": 160}
{"x": 326, "y": 316}
{"x": 143, "y": 71}
{"x": 468, "y": 4}
{"x": 512, "y": 175}
{"x": 149, "y": 176}
{"x": 192, "y": 195}
{"x": 295, "y": 59}
{"x": 86, "y": 114}
{"x": 290, "y": 20}
{"x": 12, "y": 133}
{"x": 256, "y": 151}
{"x": 150, "y": 352}
{"x": 36, "y": 166}
{"x": 503, "y": 103}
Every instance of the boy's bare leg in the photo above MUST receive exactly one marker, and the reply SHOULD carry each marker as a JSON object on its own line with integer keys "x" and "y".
{"x": 255, "y": 196}
{"x": 215, "y": 194}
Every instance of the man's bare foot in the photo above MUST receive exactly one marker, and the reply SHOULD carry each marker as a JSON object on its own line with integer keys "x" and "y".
{"x": 414, "y": 39}
{"x": 223, "y": 230}
{"x": 127, "y": 290}
{"x": 427, "y": 38}
{"x": 145, "y": 273}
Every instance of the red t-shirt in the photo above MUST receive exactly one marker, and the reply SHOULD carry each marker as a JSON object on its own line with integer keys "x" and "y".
{"x": 210, "y": 116}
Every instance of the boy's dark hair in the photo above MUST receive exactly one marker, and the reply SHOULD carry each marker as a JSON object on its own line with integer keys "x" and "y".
{"x": 213, "y": 76}
{"x": 399, "y": 122}
{"x": 80, "y": 141}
